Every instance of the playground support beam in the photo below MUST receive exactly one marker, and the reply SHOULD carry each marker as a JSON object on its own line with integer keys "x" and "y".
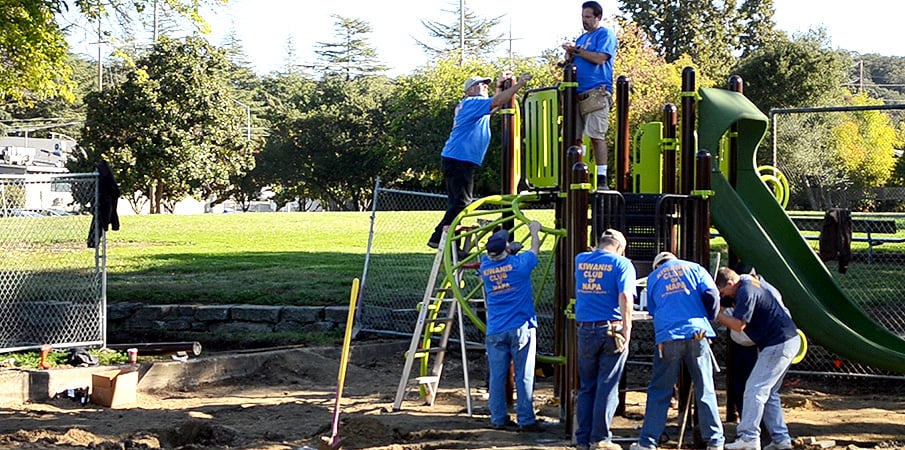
{"x": 577, "y": 235}
{"x": 670, "y": 134}
{"x": 689, "y": 113}
{"x": 509, "y": 172}
{"x": 568, "y": 91}
{"x": 623, "y": 136}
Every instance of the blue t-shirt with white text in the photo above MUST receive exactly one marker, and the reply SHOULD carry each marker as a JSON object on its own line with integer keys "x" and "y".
{"x": 600, "y": 276}
{"x": 683, "y": 299}
{"x": 507, "y": 292}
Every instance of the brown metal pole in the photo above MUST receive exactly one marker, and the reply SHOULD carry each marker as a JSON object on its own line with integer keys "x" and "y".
{"x": 568, "y": 100}
{"x": 732, "y": 408}
{"x": 509, "y": 178}
{"x": 703, "y": 164}
{"x": 670, "y": 133}
{"x": 577, "y": 234}
{"x": 689, "y": 139}
{"x": 623, "y": 136}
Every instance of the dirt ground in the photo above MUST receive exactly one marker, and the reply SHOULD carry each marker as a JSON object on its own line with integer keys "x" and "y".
{"x": 289, "y": 406}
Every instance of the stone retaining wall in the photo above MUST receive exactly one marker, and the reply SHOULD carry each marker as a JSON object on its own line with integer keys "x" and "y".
{"x": 141, "y": 318}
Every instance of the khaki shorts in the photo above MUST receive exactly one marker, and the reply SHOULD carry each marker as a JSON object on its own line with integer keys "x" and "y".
{"x": 595, "y": 114}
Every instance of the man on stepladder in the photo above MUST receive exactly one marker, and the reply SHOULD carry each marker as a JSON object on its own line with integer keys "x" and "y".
{"x": 511, "y": 335}
{"x": 593, "y": 53}
{"x": 467, "y": 144}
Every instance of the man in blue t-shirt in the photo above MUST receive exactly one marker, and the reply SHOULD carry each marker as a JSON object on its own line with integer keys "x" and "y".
{"x": 468, "y": 141}
{"x": 593, "y": 53}
{"x": 604, "y": 293}
{"x": 760, "y": 313}
{"x": 511, "y": 325}
{"x": 682, "y": 299}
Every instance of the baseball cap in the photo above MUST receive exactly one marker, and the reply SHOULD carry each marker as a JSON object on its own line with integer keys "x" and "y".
{"x": 475, "y": 80}
{"x": 661, "y": 258}
{"x": 497, "y": 243}
{"x": 615, "y": 234}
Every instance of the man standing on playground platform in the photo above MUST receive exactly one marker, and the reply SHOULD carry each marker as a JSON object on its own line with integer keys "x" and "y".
{"x": 759, "y": 312}
{"x": 468, "y": 141}
{"x": 604, "y": 293}
{"x": 511, "y": 335}
{"x": 593, "y": 53}
{"x": 683, "y": 299}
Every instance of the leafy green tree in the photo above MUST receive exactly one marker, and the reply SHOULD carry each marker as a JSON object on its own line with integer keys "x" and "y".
{"x": 865, "y": 142}
{"x": 33, "y": 52}
{"x": 351, "y": 55}
{"x": 807, "y": 156}
{"x": 802, "y": 71}
{"x": 328, "y": 139}
{"x": 756, "y": 25}
{"x": 477, "y": 36}
{"x": 171, "y": 129}
{"x": 709, "y": 32}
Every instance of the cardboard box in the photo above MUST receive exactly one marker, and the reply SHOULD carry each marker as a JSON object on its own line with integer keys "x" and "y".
{"x": 114, "y": 388}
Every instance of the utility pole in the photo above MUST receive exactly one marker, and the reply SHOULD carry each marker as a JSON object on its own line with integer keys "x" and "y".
{"x": 461, "y": 32}
{"x": 861, "y": 77}
{"x": 155, "y": 22}
{"x": 100, "y": 64}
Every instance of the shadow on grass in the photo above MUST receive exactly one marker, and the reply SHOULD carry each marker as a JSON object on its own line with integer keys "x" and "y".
{"x": 272, "y": 278}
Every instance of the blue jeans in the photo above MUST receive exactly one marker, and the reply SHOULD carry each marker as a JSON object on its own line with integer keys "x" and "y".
{"x": 599, "y": 370}
{"x": 696, "y": 356}
{"x": 518, "y": 346}
{"x": 762, "y": 392}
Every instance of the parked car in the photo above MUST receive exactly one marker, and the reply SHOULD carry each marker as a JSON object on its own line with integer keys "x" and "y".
{"x": 16, "y": 212}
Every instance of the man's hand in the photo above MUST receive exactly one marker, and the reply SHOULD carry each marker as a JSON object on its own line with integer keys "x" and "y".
{"x": 701, "y": 334}
{"x": 569, "y": 47}
{"x": 506, "y": 75}
{"x": 524, "y": 78}
{"x": 534, "y": 228}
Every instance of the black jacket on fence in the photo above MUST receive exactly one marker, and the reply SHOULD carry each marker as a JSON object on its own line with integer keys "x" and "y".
{"x": 105, "y": 215}
{"x": 836, "y": 237}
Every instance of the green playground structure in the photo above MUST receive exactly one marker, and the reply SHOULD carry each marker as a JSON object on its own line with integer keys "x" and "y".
{"x": 672, "y": 181}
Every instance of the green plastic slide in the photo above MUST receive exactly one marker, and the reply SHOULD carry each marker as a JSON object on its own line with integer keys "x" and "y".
{"x": 761, "y": 233}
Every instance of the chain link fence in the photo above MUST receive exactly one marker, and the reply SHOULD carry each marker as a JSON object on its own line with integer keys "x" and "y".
{"x": 831, "y": 158}
{"x": 398, "y": 266}
{"x": 52, "y": 285}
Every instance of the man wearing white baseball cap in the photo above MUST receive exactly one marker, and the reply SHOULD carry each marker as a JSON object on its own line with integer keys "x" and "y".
{"x": 468, "y": 141}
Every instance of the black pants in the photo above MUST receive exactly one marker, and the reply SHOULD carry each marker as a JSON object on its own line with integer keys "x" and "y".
{"x": 459, "y": 178}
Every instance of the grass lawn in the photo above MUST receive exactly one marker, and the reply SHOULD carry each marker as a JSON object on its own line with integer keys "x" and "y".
{"x": 274, "y": 258}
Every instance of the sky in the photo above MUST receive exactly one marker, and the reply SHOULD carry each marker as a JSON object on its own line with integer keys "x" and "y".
{"x": 265, "y": 26}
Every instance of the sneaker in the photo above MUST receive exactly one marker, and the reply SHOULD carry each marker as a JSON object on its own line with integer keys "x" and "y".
{"x": 637, "y": 446}
{"x": 433, "y": 244}
{"x": 781, "y": 445}
{"x": 742, "y": 444}
{"x": 503, "y": 426}
{"x": 714, "y": 447}
{"x": 607, "y": 445}
{"x": 531, "y": 428}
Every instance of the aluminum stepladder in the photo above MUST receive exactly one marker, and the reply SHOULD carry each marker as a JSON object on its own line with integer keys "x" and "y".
{"x": 437, "y": 312}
